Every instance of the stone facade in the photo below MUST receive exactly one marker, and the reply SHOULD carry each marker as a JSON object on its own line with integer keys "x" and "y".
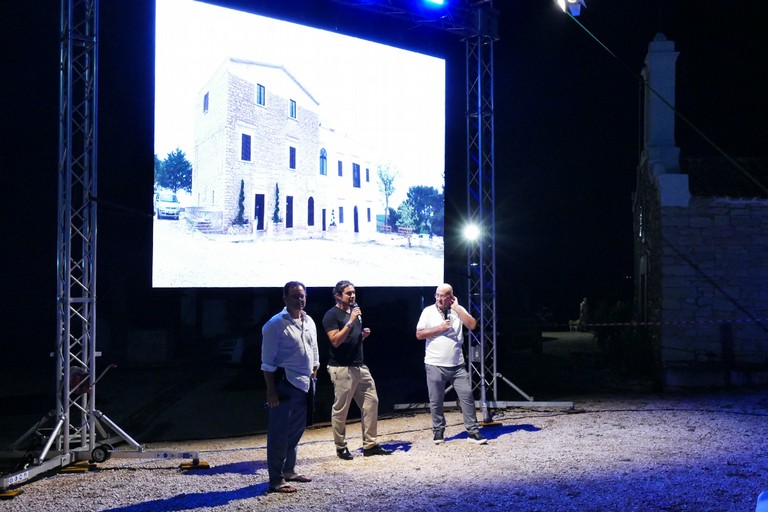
{"x": 256, "y": 124}
{"x": 701, "y": 278}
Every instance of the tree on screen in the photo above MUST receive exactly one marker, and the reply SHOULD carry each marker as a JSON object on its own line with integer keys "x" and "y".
{"x": 240, "y": 219}
{"x": 407, "y": 217}
{"x": 175, "y": 172}
{"x": 394, "y": 218}
{"x": 276, "y": 212}
{"x": 428, "y": 206}
{"x": 386, "y": 187}
{"x": 158, "y": 169}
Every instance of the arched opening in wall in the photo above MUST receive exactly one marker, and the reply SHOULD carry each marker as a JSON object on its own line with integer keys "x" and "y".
{"x": 311, "y": 211}
{"x": 323, "y": 162}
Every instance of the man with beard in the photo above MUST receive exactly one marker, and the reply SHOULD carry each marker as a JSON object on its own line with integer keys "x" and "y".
{"x": 349, "y": 374}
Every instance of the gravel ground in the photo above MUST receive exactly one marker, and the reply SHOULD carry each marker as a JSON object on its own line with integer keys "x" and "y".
{"x": 703, "y": 452}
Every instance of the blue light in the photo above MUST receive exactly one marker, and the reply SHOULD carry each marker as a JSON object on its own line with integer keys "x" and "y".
{"x": 434, "y": 2}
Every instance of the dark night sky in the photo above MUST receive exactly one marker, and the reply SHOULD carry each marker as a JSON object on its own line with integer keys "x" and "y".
{"x": 566, "y": 139}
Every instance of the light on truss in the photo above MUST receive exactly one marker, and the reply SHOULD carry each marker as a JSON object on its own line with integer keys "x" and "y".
{"x": 472, "y": 232}
{"x": 573, "y": 6}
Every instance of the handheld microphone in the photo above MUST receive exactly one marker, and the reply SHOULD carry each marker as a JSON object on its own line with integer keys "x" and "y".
{"x": 360, "y": 316}
{"x": 447, "y": 310}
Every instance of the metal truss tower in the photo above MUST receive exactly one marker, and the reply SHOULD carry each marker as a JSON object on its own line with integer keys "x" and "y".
{"x": 76, "y": 236}
{"x": 481, "y": 213}
{"x": 481, "y": 254}
{"x": 75, "y": 430}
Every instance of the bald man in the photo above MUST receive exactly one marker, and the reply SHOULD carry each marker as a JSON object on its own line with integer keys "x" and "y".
{"x": 441, "y": 326}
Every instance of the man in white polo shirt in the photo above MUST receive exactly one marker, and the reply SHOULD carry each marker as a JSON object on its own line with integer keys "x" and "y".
{"x": 441, "y": 326}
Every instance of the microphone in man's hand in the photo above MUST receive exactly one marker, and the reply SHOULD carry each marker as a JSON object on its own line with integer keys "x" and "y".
{"x": 360, "y": 316}
{"x": 447, "y": 308}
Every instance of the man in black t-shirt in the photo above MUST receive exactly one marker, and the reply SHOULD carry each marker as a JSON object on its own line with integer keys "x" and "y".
{"x": 351, "y": 378}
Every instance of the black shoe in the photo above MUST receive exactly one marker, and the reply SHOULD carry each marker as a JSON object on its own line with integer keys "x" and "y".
{"x": 343, "y": 453}
{"x": 376, "y": 450}
{"x": 477, "y": 438}
{"x": 438, "y": 439}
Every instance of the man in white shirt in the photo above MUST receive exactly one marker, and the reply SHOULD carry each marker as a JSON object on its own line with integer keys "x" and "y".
{"x": 289, "y": 360}
{"x": 441, "y": 326}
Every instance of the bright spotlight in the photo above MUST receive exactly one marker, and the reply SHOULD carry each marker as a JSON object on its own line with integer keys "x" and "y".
{"x": 471, "y": 232}
{"x": 573, "y": 6}
{"x": 434, "y": 2}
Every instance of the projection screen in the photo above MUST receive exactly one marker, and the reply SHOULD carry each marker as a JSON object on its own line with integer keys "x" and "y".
{"x": 287, "y": 152}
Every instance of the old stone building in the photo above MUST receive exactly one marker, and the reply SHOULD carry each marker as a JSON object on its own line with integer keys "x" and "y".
{"x": 701, "y": 246}
{"x": 257, "y": 128}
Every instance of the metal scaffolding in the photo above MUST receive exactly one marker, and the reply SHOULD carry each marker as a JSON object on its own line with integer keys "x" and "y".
{"x": 481, "y": 200}
{"x": 481, "y": 254}
{"x": 76, "y": 234}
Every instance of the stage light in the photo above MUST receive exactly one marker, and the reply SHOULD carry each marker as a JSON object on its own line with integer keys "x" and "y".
{"x": 573, "y": 6}
{"x": 434, "y": 2}
{"x": 472, "y": 232}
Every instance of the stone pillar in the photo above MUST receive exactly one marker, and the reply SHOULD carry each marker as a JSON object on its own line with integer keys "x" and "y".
{"x": 661, "y": 155}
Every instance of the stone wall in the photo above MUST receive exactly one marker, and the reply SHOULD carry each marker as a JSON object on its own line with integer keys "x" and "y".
{"x": 701, "y": 279}
{"x": 220, "y": 168}
{"x": 714, "y": 292}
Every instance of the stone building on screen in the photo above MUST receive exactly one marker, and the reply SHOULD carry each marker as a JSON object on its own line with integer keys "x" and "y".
{"x": 258, "y": 128}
